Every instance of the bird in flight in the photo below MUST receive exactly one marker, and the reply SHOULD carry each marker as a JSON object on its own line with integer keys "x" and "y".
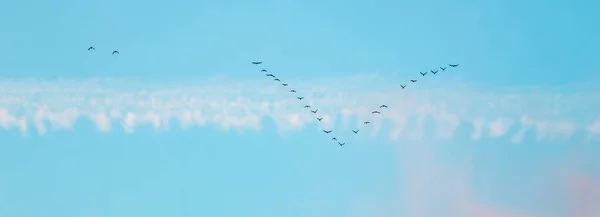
{"x": 270, "y": 75}
{"x": 413, "y": 81}
{"x": 403, "y": 86}
{"x": 306, "y": 106}
{"x": 375, "y": 112}
{"x": 315, "y": 111}
{"x": 327, "y": 131}
{"x": 453, "y": 65}
{"x": 256, "y": 63}
{"x": 443, "y": 69}
{"x": 276, "y": 79}
{"x": 334, "y": 138}
{"x": 284, "y": 85}
{"x": 355, "y": 131}
{"x": 319, "y": 119}
{"x": 292, "y": 91}
{"x": 434, "y": 72}
{"x": 264, "y": 70}
{"x": 91, "y": 48}
{"x": 341, "y": 144}
{"x": 115, "y": 52}
{"x": 300, "y": 98}
{"x": 423, "y": 74}
{"x": 366, "y": 122}
{"x": 383, "y": 106}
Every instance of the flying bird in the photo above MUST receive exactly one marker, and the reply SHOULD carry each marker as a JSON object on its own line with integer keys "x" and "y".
{"x": 403, "y": 86}
{"x": 341, "y": 144}
{"x": 270, "y": 75}
{"x": 334, "y": 138}
{"x": 375, "y": 112}
{"x": 91, "y": 48}
{"x": 306, "y": 106}
{"x": 315, "y": 111}
{"x": 284, "y": 85}
{"x": 413, "y": 81}
{"x": 292, "y": 91}
{"x": 300, "y": 98}
{"x": 264, "y": 70}
{"x": 442, "y": 68}
{"x": 434, "y": 72}
{"x": 327, "y": 131}
{"x": 366, "y": 122}
{"x": 319, "y": 119}
{"x": 383, "y": 106}
{"x": 453, "y": 65}
{"x": 276, "y": 79}
{"x": 256, "y": 63}
{"x": 355, "y": 131}
{"x": 423, "y": 74}
{"x": 115, "y": 52}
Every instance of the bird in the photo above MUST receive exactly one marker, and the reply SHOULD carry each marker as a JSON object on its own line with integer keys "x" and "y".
{"x": 264, "y": 70}
{"x": 341, "y": 144}
{"x": 366, "y": 122}
{"x": 434, "y": 72}
{"x": 423, "y": 74}
{"x": 413, "y": 81}
{"x": 383, "y": 106}
{"x": 256, "y": 63}
{"x": 375, "y": 112}
{"x": 270, "y": 75}
{"x": 443, "y": 69}
{"x": 355, "y": 131}
{"x": 319, "y": 119}
{"x": 333, "y": 138}
{"x": 292, "y": 91}
{"x": 117, "y": 52}
{"x": 306, "y": 106}
{"x": 276, "y": 79}
{"x": 403, "y": 86}
{"x": 91, "y": 48}
{"x": 453, "y": 65}
{"x": 315, "y": 111}
{"x": 284, "y": 85}
{"x": 327, "y": 131}
{"x": 300, "y": 98}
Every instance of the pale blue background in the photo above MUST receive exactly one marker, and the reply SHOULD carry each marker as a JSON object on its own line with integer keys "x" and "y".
{"x": 207, "y": 172}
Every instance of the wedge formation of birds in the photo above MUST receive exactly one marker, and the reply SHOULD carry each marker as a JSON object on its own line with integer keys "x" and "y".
{"x": 375, "y": 112}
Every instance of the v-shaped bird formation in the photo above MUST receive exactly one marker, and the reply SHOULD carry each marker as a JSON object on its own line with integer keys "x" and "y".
{"x": 375, "y": 112}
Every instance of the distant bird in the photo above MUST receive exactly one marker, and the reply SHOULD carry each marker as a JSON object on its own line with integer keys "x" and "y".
{"x": 453, "y": 65}
{"x": 443, "y": 69}
{"x": 327, "y": 131}
{"x": 276, "y": 79}
{"x": 256, "y": 63}
{"x": 270, "y": 75}
{"x": 300, "y": 98}
{"x": 292, "y": 91}
{"x": 434, "y": 72}
{"x": 306, "y": 106}
{"x": 403, "y": 86}
{"x": 383, "y": 106}
{"x": 319, "y": 119}
{"x": 423, "y": 74}
{"x": 315, "y": 111}
{"x": 334, "y": 138}
{"x": 115, "y": 52}
{"x": 91, "y": 48}
{"x": 264, "y": 70}
{"x": 413, "y": 81}
{"x": 366, "y": 122}
{"x": 284, "y": 85}
{"x": 375, "y": 112}
{"x": 341, "y": 144}
{"x": 355, "y": 131}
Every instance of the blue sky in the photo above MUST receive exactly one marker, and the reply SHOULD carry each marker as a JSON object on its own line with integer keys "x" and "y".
{"x": 181, "y": 124}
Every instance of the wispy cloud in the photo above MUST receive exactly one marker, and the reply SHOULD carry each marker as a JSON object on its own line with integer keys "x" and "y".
{"x": 40, "y": 105}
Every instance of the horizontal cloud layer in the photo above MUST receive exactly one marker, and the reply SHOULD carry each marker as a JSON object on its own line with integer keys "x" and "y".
{"x": 551, "y": 113}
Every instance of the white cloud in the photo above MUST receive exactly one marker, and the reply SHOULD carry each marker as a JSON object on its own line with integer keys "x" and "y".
{"x": 246, "y": 104}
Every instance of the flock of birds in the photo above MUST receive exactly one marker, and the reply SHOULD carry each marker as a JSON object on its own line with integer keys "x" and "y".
{"x": 319, "y": 118}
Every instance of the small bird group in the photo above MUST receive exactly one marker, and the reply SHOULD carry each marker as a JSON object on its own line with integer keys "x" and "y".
{"x": 432, "y": 71}
{"x": 92, "y": 48}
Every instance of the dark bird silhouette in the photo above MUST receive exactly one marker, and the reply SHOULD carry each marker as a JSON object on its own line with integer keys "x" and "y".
{"x": 315, "y": 111}
{"x": 383, "y": 106}
{"x": 300, "y": 98}
{"x": 270, "y": 75}
{"x": 306, "y": 106}
{"x": 276, "y": 79}
{"x": 334, "y": 138}
{"x": 341, "y": 144}
{"x": 423, "y": 74}
{"x": 403, "y": 86}
{"x": 284, "y": 85}
{"x": 319, "y": 119}
{"x": 292, "y": 91}
{"x": 115, "y": 52}
{"x": 443, "y": 69}
{"x": 91, "y": 48}
{"x": 434, "y": 72}
{"x": 366, "y": 122}
{"x": 413, "y": 81}
{"x": 375, "y": 112}
{"x": 355, "y": 131}
{"x": 256, "y": 63}
{"x": 327, "y": 131}
{"x": 453, "y": 65}
{"x": 264, "y": 70}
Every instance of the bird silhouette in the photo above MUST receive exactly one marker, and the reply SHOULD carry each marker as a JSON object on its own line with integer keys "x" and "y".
{"x": 383, "y": 106}
{"x": 366, "y": 122}
{"x": 292, "y": 91}
{"x": 355, "y": 131}
{"x": 327, "y": 131}
{"x": 315, "y": 111}
{"x": 276, "y": 79}
{"x": 306, "y": 106}
{"x": 403, "y": 86}
{"x": 91, "y": 48}
{"x": 434, "y": 72}
{"x": 413, "y": 81}
{"x": 270, "y": 75}
{"x": 285, "y": 85}
{"x": 423, "y": 74}
{"x": 375, "y": 112}
{"x": 453, "y": 65}
{"x": 319, "y": 119}
{"x": 115, "y": 52}
{"x": 264, "y": 70}
{"x": 443, "y": 69}
{"x": 256, "y": 63}
{"x": 341, "y": 144}
{"x": 333, "y": 138}
{"x": 300, "y": 98}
